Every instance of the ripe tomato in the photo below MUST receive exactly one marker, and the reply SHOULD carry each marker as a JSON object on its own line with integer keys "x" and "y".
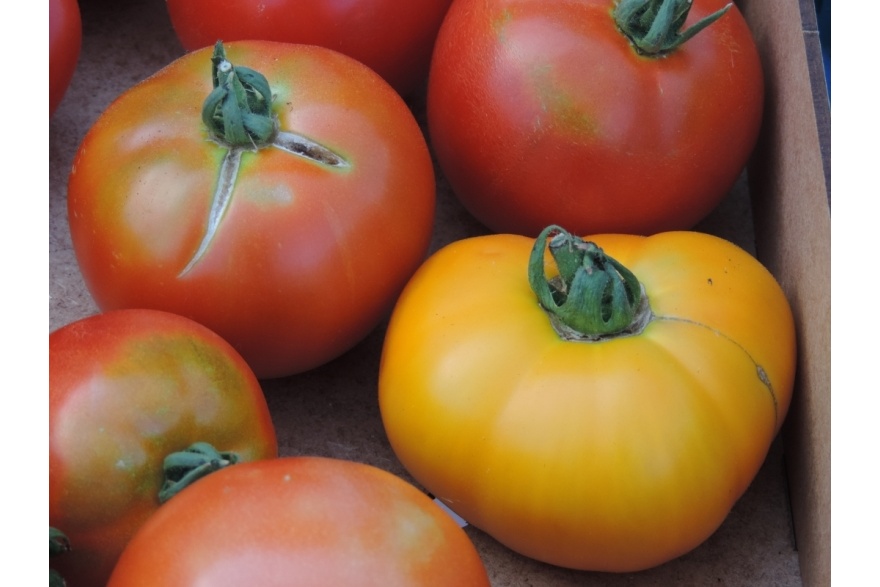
{"x": 615, "y": 453}
{"x": 65, "y": 41}
{"x": 126, "y": 389}
{"x": 304, "y": 522}
{"x": 292, "y": 250}
{"x": 393, "y": 37}
{"x": 543, "y": 112}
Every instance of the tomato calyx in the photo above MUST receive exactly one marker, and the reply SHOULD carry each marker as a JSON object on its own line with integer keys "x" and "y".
{"x": 58, "y": 544}
{"x": 238, "y": 114}
{"x": 185, "y": 467}
{"x": 238, "y": 111}
{"x": 593, "y": 297}
{"x": 653, "y": 26}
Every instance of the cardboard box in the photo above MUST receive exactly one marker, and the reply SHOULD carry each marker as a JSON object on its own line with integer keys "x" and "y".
{"x": 782, "y": 213}
{"x": 790, "y": 182}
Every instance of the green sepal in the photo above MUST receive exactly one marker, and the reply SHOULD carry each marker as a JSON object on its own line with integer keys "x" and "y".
{"x": 58, "y": 544}
{"x": 55, "y": 579}
{"x": 238, "y": 111}
{"x": 594, "y": 296}
{"x": 654, "y": 26}
{"x": 185, "y": 467}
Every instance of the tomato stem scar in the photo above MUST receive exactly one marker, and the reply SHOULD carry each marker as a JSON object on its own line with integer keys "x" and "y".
{"x": 304, "y": 147}
{"x": 220, "y": 202}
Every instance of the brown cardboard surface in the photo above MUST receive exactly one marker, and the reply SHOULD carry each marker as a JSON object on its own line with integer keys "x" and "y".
{"x": 332, "y": 411}
{"x": 791, "y": 178}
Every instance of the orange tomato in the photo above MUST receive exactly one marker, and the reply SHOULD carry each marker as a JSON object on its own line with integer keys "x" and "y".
{"x": 612, "y": 454}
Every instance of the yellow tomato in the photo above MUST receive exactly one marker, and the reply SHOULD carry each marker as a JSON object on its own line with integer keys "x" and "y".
{"x": 613, "y": 454}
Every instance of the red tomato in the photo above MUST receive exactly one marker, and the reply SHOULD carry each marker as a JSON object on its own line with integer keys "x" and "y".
{"x": 126, "y": 389}
{"x": 300, "y": 522}
{"x": 543, "y": 112}
{"x": 295, "y": 254}
{"x": 393, "y": 37}
{"x": 65, "y": 41}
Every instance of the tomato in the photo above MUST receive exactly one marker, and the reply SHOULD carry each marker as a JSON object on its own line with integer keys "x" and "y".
{"x": 126, "y": 389}
{"x": 393, "y": 37}
{"x": 301, "y": 521}
{"x": 543, "y": 112}
{"x": 292, "y": 250}
{"x": 65, "y": 41}
{"x": 609, "y": 427}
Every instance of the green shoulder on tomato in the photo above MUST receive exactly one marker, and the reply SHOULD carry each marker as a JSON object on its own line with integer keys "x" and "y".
{"x": 126, "y": 390}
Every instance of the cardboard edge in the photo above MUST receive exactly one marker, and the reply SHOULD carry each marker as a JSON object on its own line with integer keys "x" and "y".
{"x": 789, "y": 180}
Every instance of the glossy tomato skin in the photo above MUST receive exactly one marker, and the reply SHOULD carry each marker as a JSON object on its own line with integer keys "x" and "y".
{"x": 616, "y": 455}
{"x": 307, "y": 257}
{"x": 393, "y": 37}
{"x": 542, "y": 113}
{"x": 301, "y": 522}
{"x": 126, "y": 389}
{"x": 65, "y": 42}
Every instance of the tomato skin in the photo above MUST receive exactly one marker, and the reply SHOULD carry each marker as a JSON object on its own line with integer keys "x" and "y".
{"x": 542, "y": 113}
{"x": 307, "y": 258}
{"x": 65, "y": 42}
{"x": 298, "y": 522}
{"x": 611, "y": 456}
{"x": 126, "y": 389}
{"x": 393, "y": 37}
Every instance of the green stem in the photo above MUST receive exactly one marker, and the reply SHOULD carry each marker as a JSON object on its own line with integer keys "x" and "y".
{"x": 594, "y": 297}
{"x": 238, "y": 114}
{"x": 238, "y": 111}
{"x": 653, "y": 25}
{"x": 58, "y": 544}
{"x": 184, "y": 468}
{"x": 55, "y": 579}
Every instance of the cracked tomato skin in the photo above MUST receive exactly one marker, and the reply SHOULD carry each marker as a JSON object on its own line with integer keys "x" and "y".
{"x": 393, "y": 37}
{"x": 616, "y": 455}
{"x": 126, "y": 389}
{"x": 308, "y": 257}
{"x": 543, "y": 113}
{"x": 301, "y": 522}
{"x": 65, "y": 42}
